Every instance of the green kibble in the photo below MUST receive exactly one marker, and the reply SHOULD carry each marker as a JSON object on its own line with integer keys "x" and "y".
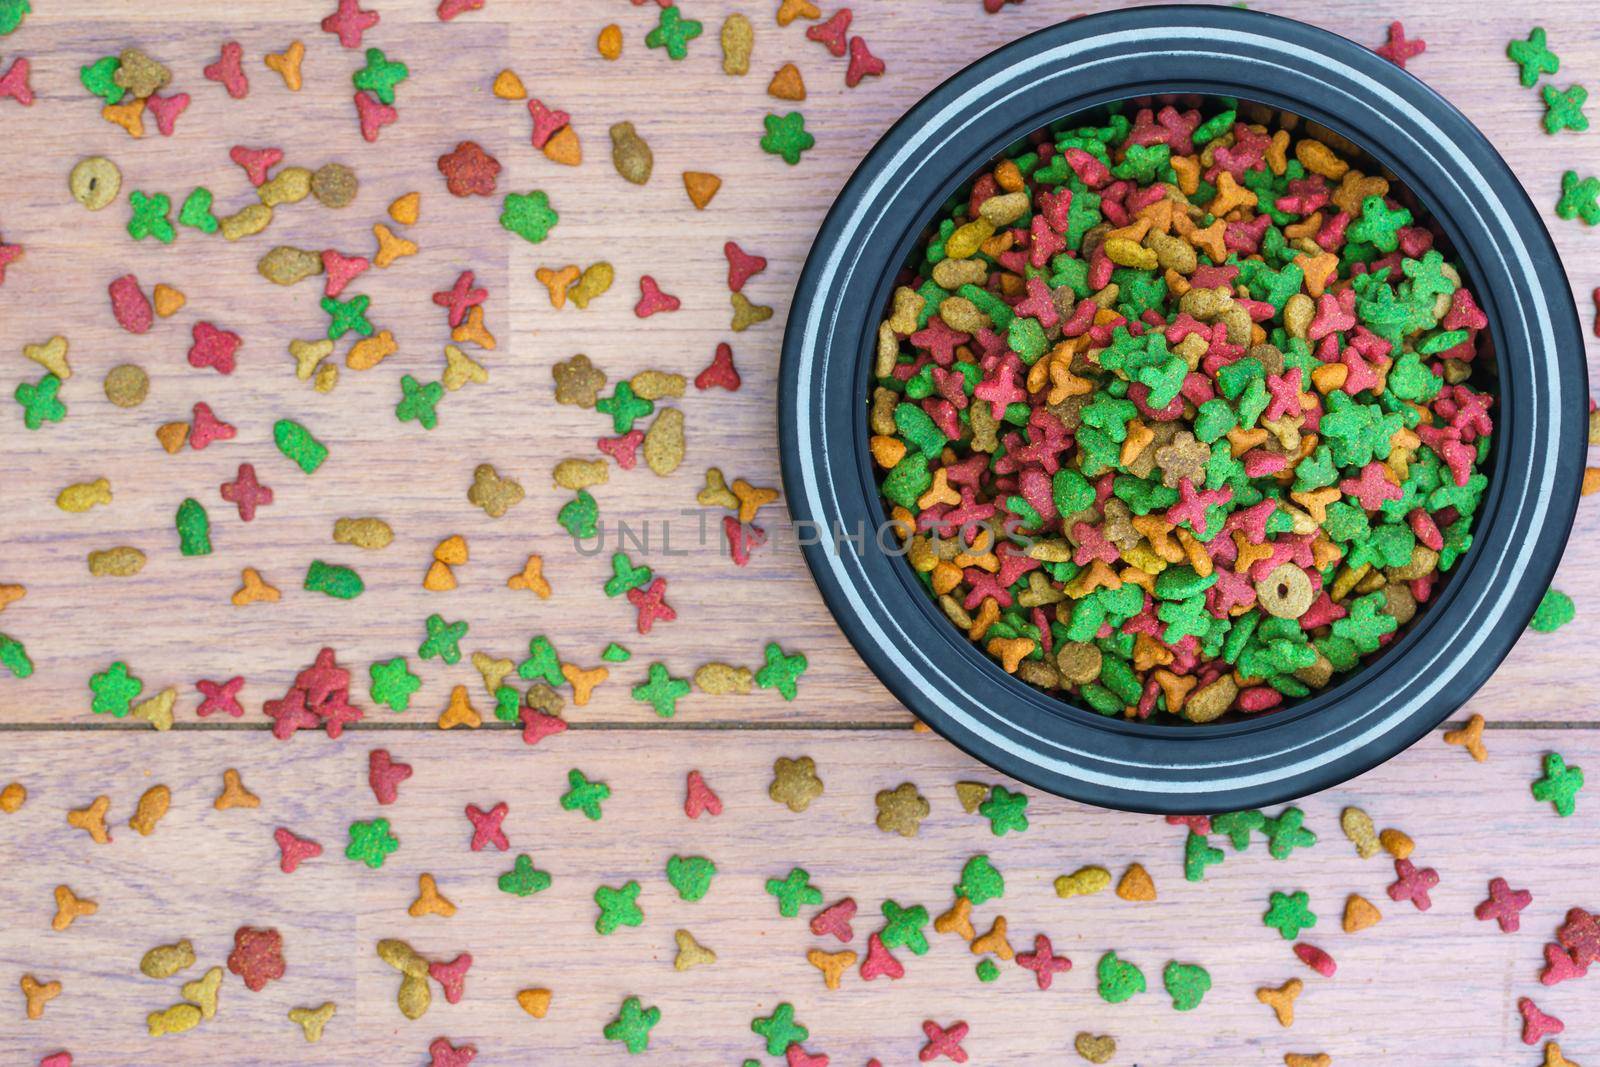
{"x": 14, "y": 657}
{"x": 297, "y": 443}
{"x": 194, "y": 529}
{"x": 334, "y": 579}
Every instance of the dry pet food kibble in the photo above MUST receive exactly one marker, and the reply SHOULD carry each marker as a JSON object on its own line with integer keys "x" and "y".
{"x": 1179, "y": 412}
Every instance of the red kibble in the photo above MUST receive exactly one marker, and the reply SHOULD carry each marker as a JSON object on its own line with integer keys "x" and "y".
{"x": 205, "y": 427}
{"x": 831, "y": 34}
{"x": 229, "y": 70}
{"x": 835, "y": 920}
{"x": 545, "y": 122}
{"x": 349, "y": 22}
{"x": 213, "y": 347}
{"x": 1043, "y": 962}
{"x": 536, "y": 725}
{"x": 294, "y": 849}
{"x": 14, "y": 83}
{"x": 449, "y": 9}
{"x": 384, "y": 775}
{"x": 880, "y": 962}
{"x": 721, "y": 373}
{"x": 1316, "y": 959}
{"x": 220, "y": 696}
{"x": 863, "y": 64}
{"x": 462, "y": 296}
{"x": 698, "y": 797}
{"x": 944, "y": 1041}
{"x": 651, "y": 603}
{"x": 447, "y": 1055}
{"x": 1535, "y": 1023}
{"x": 257, "y": 957}
{"x": 128, "y": 303}
{"x": 341, "y": 270}
{"x": 165, "y": 110}
{"x": 741, "y": 265}
{"x": 373, "y": 115}
{"x": 1504, "y": 905}
{"x": 256, "y": 161}
{"x": 652, "y": 299}
{"x": 246, "y": 493}
{"x": 452, "y": 976}
{"x": 486, "y": 826}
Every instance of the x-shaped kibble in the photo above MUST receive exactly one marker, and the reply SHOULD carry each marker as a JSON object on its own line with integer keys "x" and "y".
{"x": 1564, "y": 109}
{"x": 1413, "y": 883}
{"x": 1043, "y": 961}
{"x": 417, "y": 401}
{"x": 1579, "y": 199}
{"x": 650, "y": 603}
{"x": 380, "y": 75}
{"x": 1533, "y": 57}
{"x": 584, "y": 795}
{"x": 902, "y": 927}
{"x": 633, "y": 1023}
{"x": 149, "y": 217}
{"x": 1560, "y": 784}
{"x": 486, "y": 826}
{"x": 371, "y": 842}
{"x": 779, "y": 1029}
{"x": 674, "y": 32}
{"x": 792, "y": 891}
{"x": 623, "y": 406}
{"x": 618, "y": 907}
{"x": 661, "y": 691}
{"x": 443, "y": 640}
{"x": 40, "y": 402}
{"x": 943, "y": 1041}
{"x": 345, "y": 316}
{"x": 781, "y": 672}
{"x": 1289, "y": 914}
{"x": 1504, "y": 905}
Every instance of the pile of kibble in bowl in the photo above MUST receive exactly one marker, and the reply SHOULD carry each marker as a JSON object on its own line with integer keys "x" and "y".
{"x": 1176, "y": 414}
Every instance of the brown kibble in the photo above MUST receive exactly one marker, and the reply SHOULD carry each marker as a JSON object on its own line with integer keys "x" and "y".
{"x": 534, "y": 1001}
{"x": 1095, "y": 1049}
{"x": 494, "y": 494}
{"x": 1357, "y": 826}
{"x": 203, "y": 991}
{"x": 609, "y": 42}
{"x": 1286, "y": 592}
{"x": 369, "y": 533}
{"x": 12, "y": 797}
{"x": 664, "y": 442}
{"x": 738, "y": 38}
{"x": 152, "y": 806}
{"x": 286, "y": 266}
{"x": 507, "y": 86}
{"x": 289, "y": 186}
{"x": 1209, "y": 702}
{"x": 127, "y": 385}
{"x": 335, "y": 185}
{"x": 657, "y": 385}
{"x": 581, "y": 473}
{"x": 795, "y": 783}
{"x": 594, "y": 281}
{"x": 70, "y": 908}
{"x": 701, "y": 187}
{"x": 164, "y": 961}
{"x": 247, "y": 222}
{"x": 563, "y": 147}
{"x": 95, "y": 182}
{"x": 970, "y": 795}
{"x": 901, "y": 809}
{"x": 1136, "y": 884}
{"x": 429, "y": 900}
{"x": 92, "y": 820}
{"x": 716, "y": 493}
{"x": 234, "y": 794}
{"x": 787, "y": 84}
{"x": 139, "y": 74}
{"x": 722, "y": 679}
{"x": 578, "y": 381}
{"x": 406, "y": 209}
{"x": 631, "y": 154}
{"x": 1359, "y": 914}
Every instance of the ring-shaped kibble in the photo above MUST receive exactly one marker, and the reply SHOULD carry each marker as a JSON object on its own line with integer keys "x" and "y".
{"x": 1285, "y": 592}
{"x": 95, "y": 182}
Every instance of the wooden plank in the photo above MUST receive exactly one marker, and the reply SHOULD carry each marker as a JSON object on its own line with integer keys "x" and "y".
{"x": 1435, "y": 987}
{"x": 173, "y": 622}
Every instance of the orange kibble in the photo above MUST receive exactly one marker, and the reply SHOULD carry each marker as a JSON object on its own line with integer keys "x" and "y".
{"x": 787, "y": 84}
{"x": 1591, "y": 480}
{"x": 168, "y": 300}
{"x": 583, "y": 682}
{"x": 563, "y": 147}
{"x": 459, "y": 712}
{"x": 129, "y": 116}
{"x": 472, "y": 331}
{"x": 406, "y": 209}
{"x": 390, "y": 246}
{"x": 557, "y": 281}
{"x": 507, "y": 86}
{"x": 287, "y": 64}
{"x": 440, "y": 578}
{"x": 701, "y": 187}
{"x": 609, "y": 43}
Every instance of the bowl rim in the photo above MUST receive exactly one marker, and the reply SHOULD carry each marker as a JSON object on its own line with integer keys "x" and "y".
{"x": 1541, "y": 411}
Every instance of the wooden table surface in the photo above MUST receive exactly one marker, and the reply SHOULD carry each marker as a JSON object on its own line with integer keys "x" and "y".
{"x": 1438, "y": 987}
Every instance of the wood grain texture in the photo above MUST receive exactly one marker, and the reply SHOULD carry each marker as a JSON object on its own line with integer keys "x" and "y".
{"x": 1430, "y": 987}
{"x": 173, "y": 623}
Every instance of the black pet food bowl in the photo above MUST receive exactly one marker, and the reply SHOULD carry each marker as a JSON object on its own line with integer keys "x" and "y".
{"x": 1447, "y": 653}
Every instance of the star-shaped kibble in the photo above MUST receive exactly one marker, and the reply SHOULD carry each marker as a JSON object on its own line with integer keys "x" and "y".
{"x": 1379, "y": 224}
{"x": 618, "y": 907}
{"x": 257, "y": 956}
{"x": 781, "y": 672}
{"x": 149, "y": 217}
{"x": 1533, "y": 57}
{"x": 380, "y": 75}
{"x": 529, "y": 216}
{"x": 792, "y": 891}
{"x": 901, "y": 809}
{"x": 523, "y": 879}
{"x": 371, "y": 842}
{"x": 114, "y": 690}
{"x": 1289, "y": 914}
{"x": 1560, "y": 784}
{"x": 779, "y": 1029}
{"x": 40, "y": 402}
{"x": 786, "y": 136}
{"x": 673, "y": 32}
{"x": 1563, "y": 109}
{"x": 633, "y": 1023}
{"x": 584, "y": 795}
{"x": 661, "y": 691}
{"x": 795, "y": 783}
{"x": 393, "y": 683}
{"x": 1005, "y": 811}
{"x": 443, "y": 640}
{"x": 418, "y": 402}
